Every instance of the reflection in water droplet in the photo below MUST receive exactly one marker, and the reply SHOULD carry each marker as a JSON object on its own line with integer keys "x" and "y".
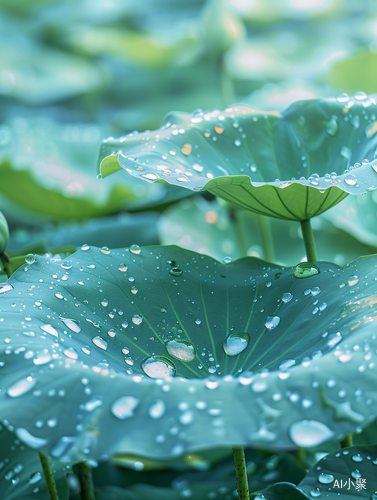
{"x": 350, "y": 180}
{"x": 100, "y": 342}
{"x": 236, "y": 343}
{"x": 5, "y": 287}
{"x": 137, "y": 319}
{"x": 272, "y": 322}
{"x": 21, "y": 387}
{"x": 124, "y": 407}
{"x": 158, "y": 367}
{"x": 181, "y": 349}
{"x": 332, "y": 126}
{"x": 157, "y": 409}
{"x": 135, "y": 249}
{"x": 305, "y": 270}
{"x": 71, "y": 324}
{"x": 286, "y": 297}
{"x": 306, "y": 433}
{"x": 325, "y": 478}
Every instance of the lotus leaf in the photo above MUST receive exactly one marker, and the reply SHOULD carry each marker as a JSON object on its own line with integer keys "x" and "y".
{"x": 291, "y": 165}
{"x": 158, "y": 351}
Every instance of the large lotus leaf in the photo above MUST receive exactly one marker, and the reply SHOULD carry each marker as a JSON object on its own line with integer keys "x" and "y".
{"x": 357, "y": 216}
{"x": 349, "y": 473}
{"x": 48, "y": 169}
{"x": 252, "y": 353}
{"x": 292, "y": 165}
{"x": 21, "y": 475}
{"x": 213, "y": 229}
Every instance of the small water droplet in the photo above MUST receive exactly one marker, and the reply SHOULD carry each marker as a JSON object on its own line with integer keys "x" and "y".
{"x": 284, "y": 365}
{"x": 30, "y": 258}
{"x": 34, "y": 478}
{"x": 286, "y": 297}
{"x": 315, "y": 492}
{"x": 356, "y": 473}
{"x": 85, "y": 248}
{"x": 355, "y": 121}
{"x": 360, "y": 95}
{"x": 100, "y": 342}
{"x": 305, "y": 270}
{"x": 272, "y": 322}
{"x": 105, "y": 250}
{"x": 343, "y": 97}
{"x": 124, "y": 407}
{"x": 49, "y": 329}
{"x": 122, "y": 268}
{"x": 346, "y": 152}
{"x": 175, "y": 271}
{"x": 236, "y": 343}
{"x": 353, "y": 280}
{"x": 151, "y": 176}
{"x": 181, "y": 349}
{"x": 350, "y": 179}
{"x": 158, "y": 367}
{"x": 135, "y": 249}
{"x": 71, "y": 324}
{"x": 198, "y": 321}
{"x": 237, "y": 142}
{"x": 137, "y": 319}
{"x": 332, "y": 126}
{"x": 21, "y": 387}
{"x": 357, "y": 458}
{"x": 157, "y": 409}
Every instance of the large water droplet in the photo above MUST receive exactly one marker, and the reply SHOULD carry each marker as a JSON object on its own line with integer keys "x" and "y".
{"x": 236, "y": 343}
{"x": 158, "y": 367}
{"x": 135, "y": 249}
{"x": 5, "y": 287}
{"x": 350, "y": 179}
{"x": 100, "y": 342}
{"x": 157, "y": 409}
{"x": 272, "y": 322}
{"x": 137, "y": 319}
{"x": 325, "y": 478}
{"x": 357, "y": 458}
{"x": 286, "y": 297}
{"x": 71, "y": 324}
{"x": 122, "y": 268}
{"x": 30, "y": 258}
{"x": 181, "y": 349}
{"x": 305, "y": 270}
{"x": 49, "y": 329}
{"x": 29, "y": 439}
{"x": 21, "y": 387}
{"x": 356, "y": 473}
{"x": 307, "y": 433}
{"x": 124, "y": 407}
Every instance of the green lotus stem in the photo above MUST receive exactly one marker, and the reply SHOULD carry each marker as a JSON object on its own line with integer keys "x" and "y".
{"x": 241, "y": 473}
{"x": 240, "y": 232}
{"x": 301, "y": 456}
{"x": 6, "y": 264}
{"x": 49, "y": 476}
{"x": 346, "y": 441}
{"x": 307, "y": 233}
{"x": 86, "y": 481}
{"x": 267, "y": 238}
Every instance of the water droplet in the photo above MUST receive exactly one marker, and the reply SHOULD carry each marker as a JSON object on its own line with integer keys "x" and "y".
{"x": 360, "y": 95}
{"x": 100, "y": 342}
{"x": 59, "y": 296}
{"x": 71, "y": 324}
{"x": 157, "y": 409}
{"x": 85, "y": 248}
{"x": 332, "y": 126}
{"x": 305, "y": 270}
{"x": 158, "y": 367}
{"x": 357, "y": 458}
{"x": 237, "y": 142}
{"x": 325, "y": 478}
{"x": 181, "y": 349}
{"x": 355, "y": 121}
{"x": 307, "y": 433}
{"x": 71, "y": 353}
{"x": 122, "y": 268}
{"x": 284, "y": 365}
{"x": 345, "y": 152}
{"x": 49, "y": 329}
{"x": 134, "y": 290}
{"x": 105, "y": 250}
{"x": 350, "y": 180}
{"x": 315, "y": 492}
{"x": 34, "y": 478}
{"x": 343, "y": 97}
{"x": 137, "y": 319}
{"x": 5, "y": 287}
{"x": 151, "y": 176}
{"x": 236, "y": 343}
{"x": 353, "y": 280}
{"x": 272, "y": 322}
{"x": 42, "y": 358}
{"x": 21, "y": 387}
{"x": 29, "y": 439}
{"x": 286, "y": 297}
{"x": 135, "y": 249}
{"x": 198, "y": 321}
{"x": 124, "y": 407}
{"x": 356, "y": 473}
{"x": 186, "y": 149}
{"x": 175, "y": 271}
{"x": 30, "y": 258}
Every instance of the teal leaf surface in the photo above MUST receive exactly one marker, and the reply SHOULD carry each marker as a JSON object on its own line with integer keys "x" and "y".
{"x": 291, "y": 165}
{"x": 158, "y": 351}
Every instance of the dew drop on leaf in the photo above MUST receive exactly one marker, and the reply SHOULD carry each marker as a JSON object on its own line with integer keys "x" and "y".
{"x": 30, "y": 258}
{"x": 325, "y": 478}
{"x": 122, "y": 268}
{"x": 157, "y": 409}
{"x": 124, "y": 407}
{"x": 236, "y": 343}
{"x": 357, "y": 458}
{"x": 332, "y": 126}
{"x": 135, "y": 249}
{"x": 272, "y": 322}
{"x": 137, "y": 319}
{"x": 306, "y": 433}
{"x": 105, "y": 250}
{"x": 49, "y": 329}
{"x": 350, "y": 179}
{"x": 286, "y": 297}
{"x": 181, "y": 349}
{"x": 158, "y": 367}
{"x": 100, "y": 342}
{"x": 315, "y": 492}
{"x": 305, "y": 270}
{"x": 32, "y": 441}
{"x": 85, "y": 248}
{"x": 71, "y": 324}
{"x": 21, "y": 387}
{"x": 356, "y": 473}
{"x": 175, "y": 271}
{"x": 5, "y": 287}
